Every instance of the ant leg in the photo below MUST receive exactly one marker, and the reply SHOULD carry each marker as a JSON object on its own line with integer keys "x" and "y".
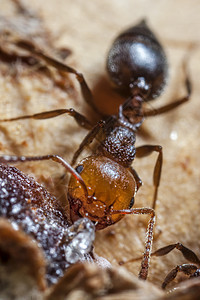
{"x": 88, "y": 139}
{"x": 148, "y": 245}
{"x": 187, "y": 269}
{"x": 80, "y": 119}
{"x": 14, "y": 159}
{"x": 86, "y": 92}
{"x": 187, "y": 253}
{"x": 171, "y": 106}
{"x": 137, "y": 178}
{"x": 145, "y": 151}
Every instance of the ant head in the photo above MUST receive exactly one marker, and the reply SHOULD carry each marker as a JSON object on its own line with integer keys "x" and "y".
{"x": 135, "y": 54}
{"x": 110, "y": 187}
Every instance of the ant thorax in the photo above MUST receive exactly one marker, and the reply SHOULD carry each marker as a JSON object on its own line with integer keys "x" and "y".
{"x": 120, "y": 145}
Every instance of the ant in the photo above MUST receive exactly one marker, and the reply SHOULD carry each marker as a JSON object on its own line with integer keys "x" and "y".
{"x": 188, "y": 269}
{"x": 103, "y": 186}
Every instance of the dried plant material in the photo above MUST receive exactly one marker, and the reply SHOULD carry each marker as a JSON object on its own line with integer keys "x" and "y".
{"x": 29, "y": 207}
{"x": 91, "y": 282}
{"x": 25, "y": 24}
{"x": 19, "y": 66}
{"x": 22, "y": 267}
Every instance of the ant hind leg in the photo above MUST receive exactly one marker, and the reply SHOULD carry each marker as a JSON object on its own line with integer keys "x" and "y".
{"x": 86, "y": 92}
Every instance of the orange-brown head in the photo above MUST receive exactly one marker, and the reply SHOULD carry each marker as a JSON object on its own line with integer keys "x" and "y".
{"x": 110, "y": 187}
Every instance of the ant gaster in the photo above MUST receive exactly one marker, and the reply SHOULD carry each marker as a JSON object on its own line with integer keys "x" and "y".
{"x": 103, "y": 186}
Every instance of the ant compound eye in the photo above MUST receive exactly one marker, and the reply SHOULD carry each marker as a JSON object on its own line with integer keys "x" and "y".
{"x": 131, "y": 202}
{"x": 79, "y": 169}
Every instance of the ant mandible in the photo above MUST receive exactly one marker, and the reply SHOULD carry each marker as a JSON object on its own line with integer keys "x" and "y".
{"x": 102, "y": 187}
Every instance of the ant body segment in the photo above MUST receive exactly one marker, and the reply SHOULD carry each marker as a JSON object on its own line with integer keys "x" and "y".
{"x": 103, "y": 186}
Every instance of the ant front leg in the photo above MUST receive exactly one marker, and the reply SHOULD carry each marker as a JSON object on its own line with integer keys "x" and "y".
{"x": 145, "y": 151}
{"x": 15, "y": 159}
{"x": 186, "y": 252}
{"x": 188, "y": 269}
{"x": 88, "y": 140}
{"x": 148, "y": 245}
{"x": 176, "y": 103}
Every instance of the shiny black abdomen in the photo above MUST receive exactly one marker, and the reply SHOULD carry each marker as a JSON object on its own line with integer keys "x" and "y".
{"x": 137, "y": 53}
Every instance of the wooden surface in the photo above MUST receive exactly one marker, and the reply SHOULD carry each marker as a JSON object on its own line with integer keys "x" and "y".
{"x": 88, "y": 29}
